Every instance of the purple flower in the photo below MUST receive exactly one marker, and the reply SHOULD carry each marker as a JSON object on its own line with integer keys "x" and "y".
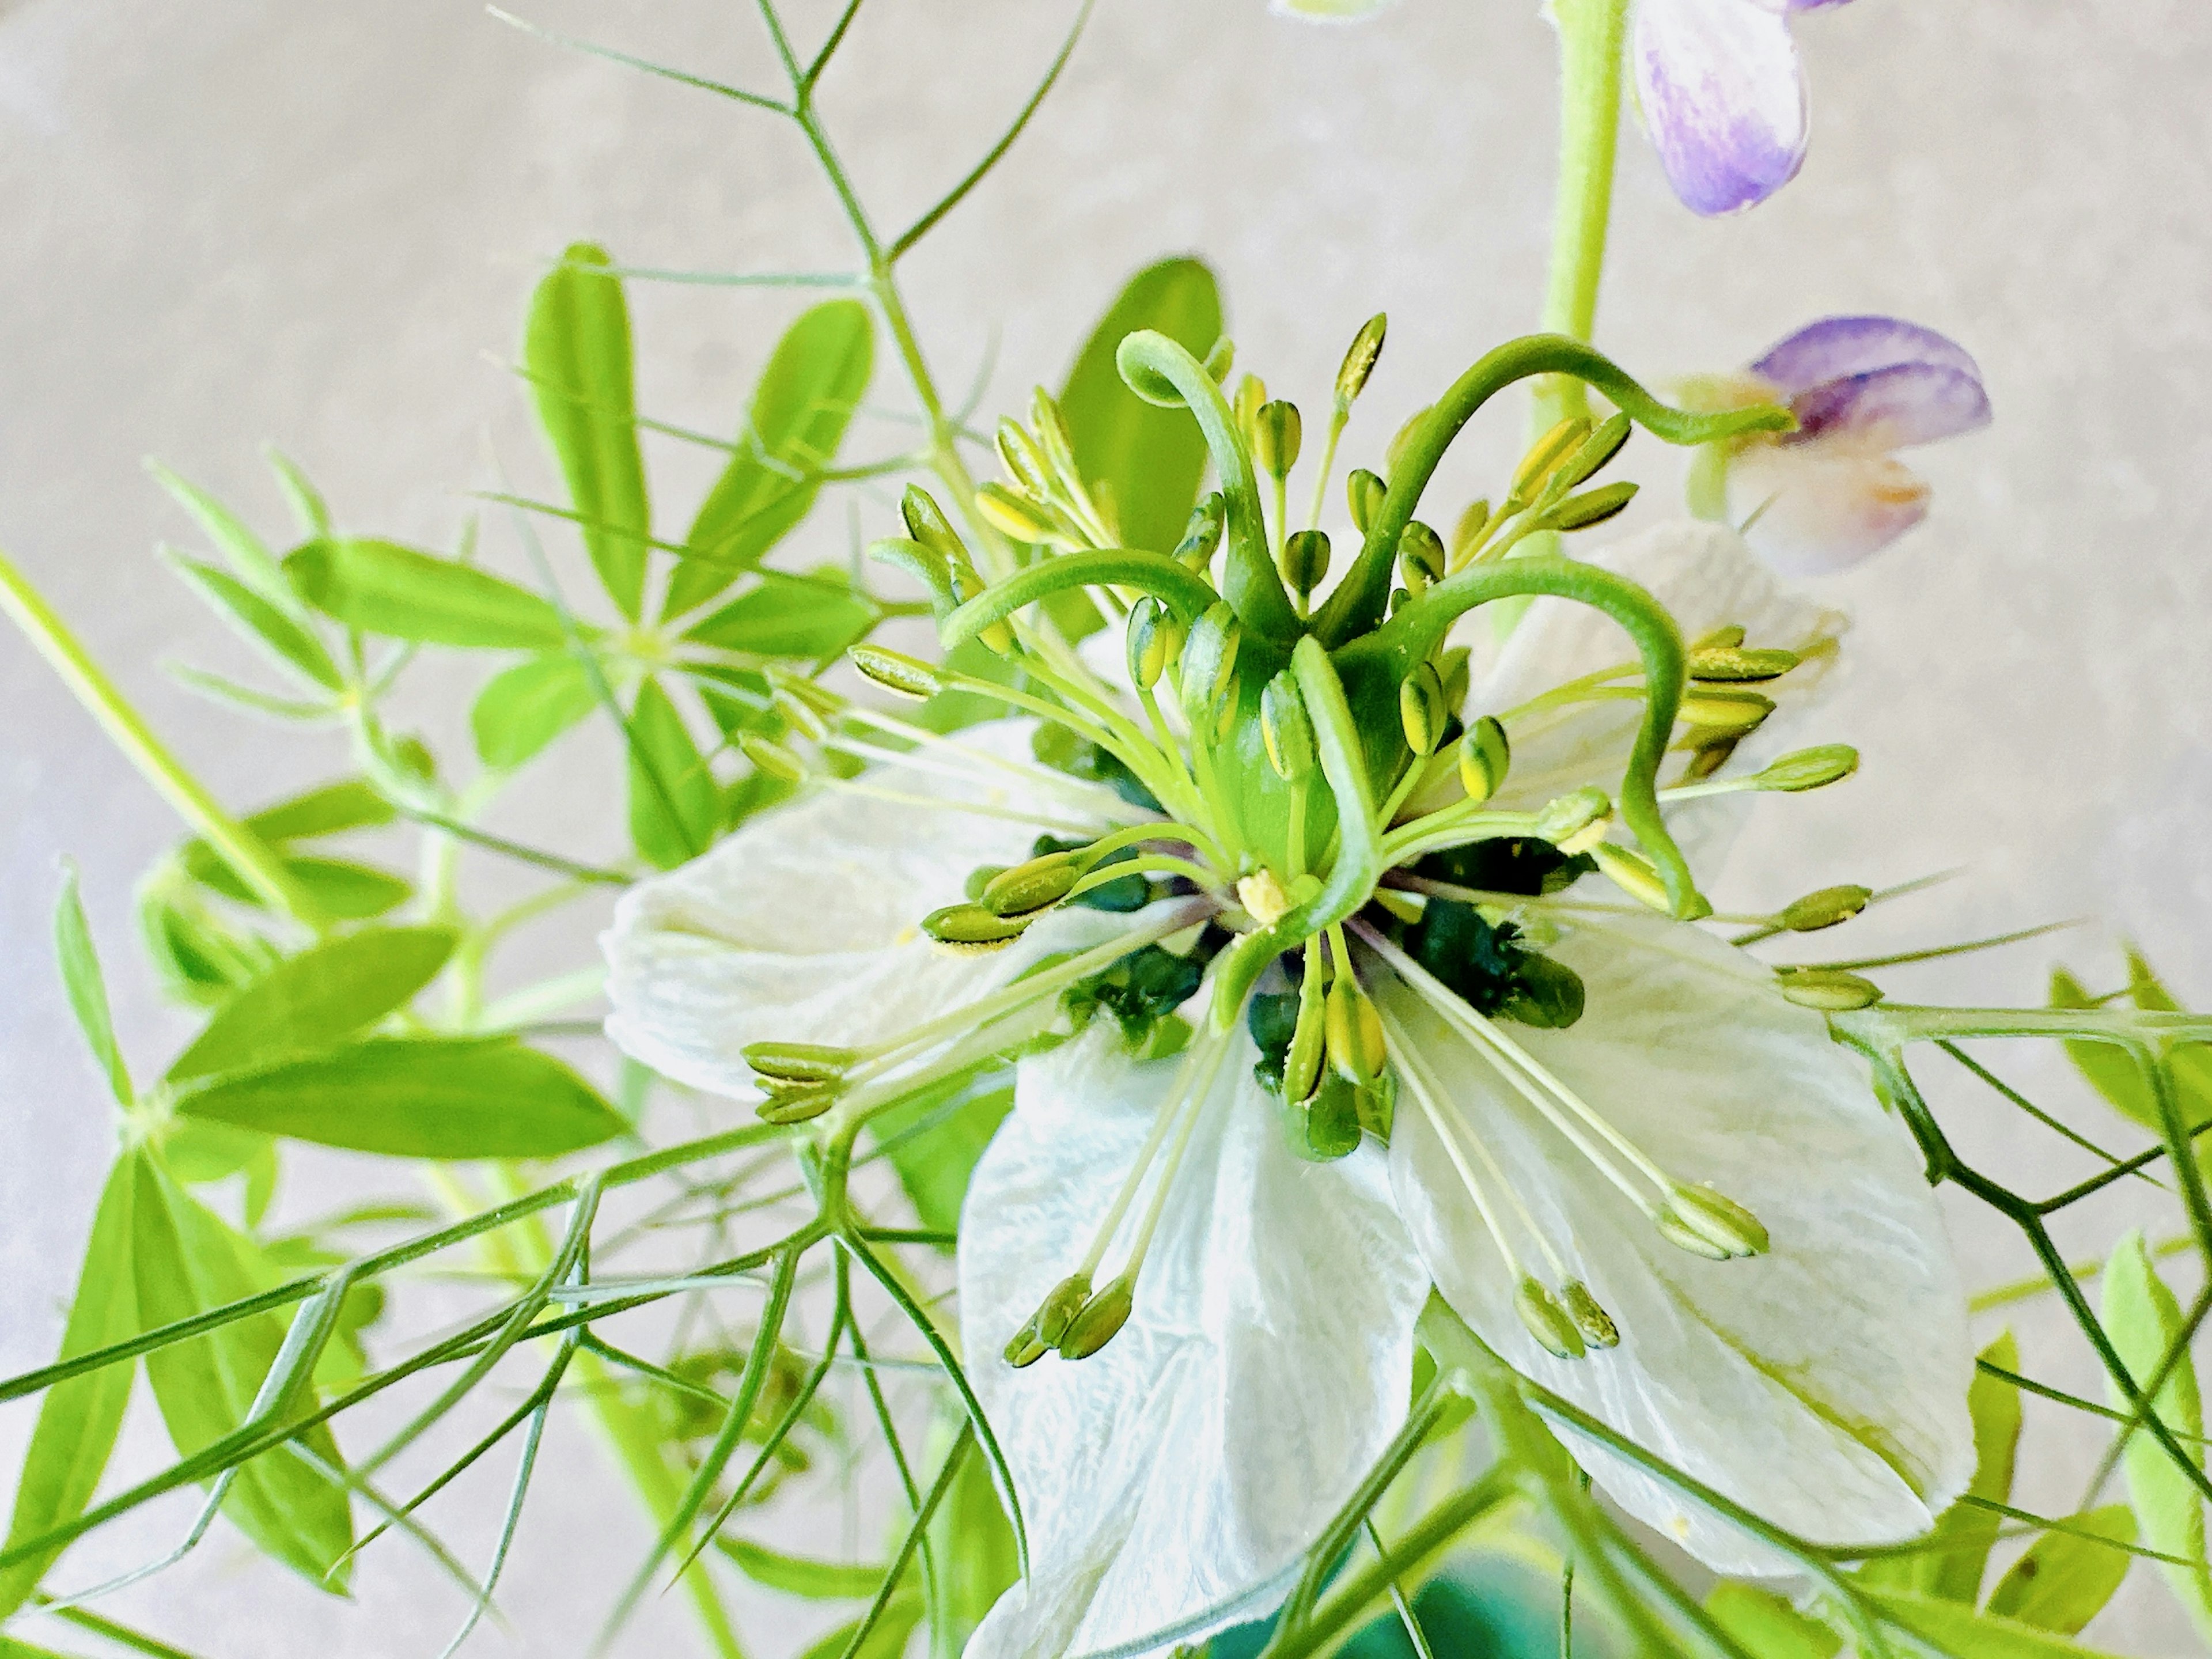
{"x": 1724, "y": 98}
{"x": 1829, "y": 494}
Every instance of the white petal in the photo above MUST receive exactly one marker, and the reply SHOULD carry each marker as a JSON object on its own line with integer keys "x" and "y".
{"x": 1722, "y": 98}
{"x": 1813, "y": 508}
{"x": 1822, "y": 1385}
{"x": 802, "y": 925}
{"x": 1266, "y": 1364}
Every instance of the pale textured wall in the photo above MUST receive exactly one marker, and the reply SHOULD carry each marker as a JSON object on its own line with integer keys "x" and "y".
{"x": 239, "y": 221}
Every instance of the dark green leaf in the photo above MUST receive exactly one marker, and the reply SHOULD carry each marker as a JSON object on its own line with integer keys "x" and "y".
{"x": 1768, "y": 1626}
{"x": 252, "y": 561}
{"x": 439, "y": 1098}
{"x": 1958, "y": 1632}
{"x": 798, "y": 1575}
{"x": 577, "y": 351}
{"x": 187, "y": 1262}
{"x": 1958, "y": 1550}
{"x": 789, "y": 617}
{"x": 288, "y": 643}
{"x": 2065, "y": 1579}
{"x": 349, "y": 890}
{"x": 935, "y": 1161}
{"x": 1148, "y": 460}
{"x": 522, "y": 709}
{"x": 324, "y": 994}
{"x": 79, "y": 1418}
{"x": 87, "y": 992}
{"x": 675, "y": 805}
{"x": 806, "y": 396}
{"x": 404, "y": 593}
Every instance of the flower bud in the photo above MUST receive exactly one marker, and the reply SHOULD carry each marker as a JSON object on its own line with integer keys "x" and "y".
{"x": 1468, "y": 531}
{"x": 1354, "y": 1031}
{"x": 1018, "y": 454}
{"x": 1095, "y": 1326}
{"x": 1202, "y": 535}
{"x": 895, "y": 671}
{"x": 1590, "y": 1317}
{"x": 1592, "y": 506}
{"x": 1596, "y": 452}
{"x": 1633, "y": 874}
{"x": 1285, "y": 728}
{"x": 1824, "y": 909}
{"x": 772, "y": 758}
{"x": 1029, "y": 888}
{"x": 1365, "y": 491}
{"x": 1718, "y": 1219}
{"x": 1546, "y": 1321}
{"x": 1359, "y": 361}
{"x": 1209, "y": 662}
{"x": 797, "y": 1062}
{"x": 1545, "y": 454}
{"x": 1733, "y": 662}
{"x": 1484, "y": 757}
{"x": 1809, "y": 769}
{"x": 1305, "y": 560}
{"x": 1568, "y": 816}
{"x": 1829, "y": 990}
{"x": 1059, "y": 1308}
{"x": 971, "y": 930}
{"x": 1154, "y": 638}
{"x": 1276, "y": 435}
{"x": 1420, "y": 557}
{"x": 1421, "y": 711}
{"x": 1726, "y": 712}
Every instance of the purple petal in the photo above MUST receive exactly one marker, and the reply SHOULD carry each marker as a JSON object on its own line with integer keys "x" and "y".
{"x": 1722, "y": 99}
{"x": 1835, "y": 346}
{"x": 1890, "y": 408}
{"x": 1810, "y": 5}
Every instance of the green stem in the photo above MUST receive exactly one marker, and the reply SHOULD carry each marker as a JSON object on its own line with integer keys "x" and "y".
{"x": 249, "y": 857}
{"x": 1593, "y": 36}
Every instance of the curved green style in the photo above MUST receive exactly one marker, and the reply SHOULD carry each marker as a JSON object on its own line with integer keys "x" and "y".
{"x": 1180, "y": 588}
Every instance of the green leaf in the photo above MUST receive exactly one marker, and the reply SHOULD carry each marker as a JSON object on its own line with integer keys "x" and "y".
{"x": 675, "y": 805}
{"x": 197, "y": 1153}
{"x": 806, "y": 396}
{"x": 404, "y": 593}
{"x": 1957, "y": 1551}
{"x": 12, "y": 1649}
{"x": 935, "y": 1164}
{"x": 87, "y": 992}
{"x": 309, "y": 510}
{"x": 789, "y": 617}
{"x": 525, "y": 708}
{"x": 324, "y": 994}
{"x": 576, "y": 348}
{"x": 798, "y": 1575}
{"x": 256, "y": 567}
{"x": 1148, "y": 460}
{"x": 188, "y": 1261}
{"x": 2111, "y": 1070}
{"x": 2192, "y": 1062}
{"x": 78, "y": 1418}
{"x": 349, "y": 890}
{"x": 202, "y": 960}
{"x": 350, "y": 804}
{"x": 2065, "y": 1579}
{"x": 1768, "y": 1626}
{"x": 288, "y": 643}
{"x": 1959, "y": 1632}
{"x": 437, "y": 1098}
{"x": 976, "y": 1561}
{"x": 2142, "y": 1320}
{"x": 887, "y": 1640}
{"x": 233, "y": 694}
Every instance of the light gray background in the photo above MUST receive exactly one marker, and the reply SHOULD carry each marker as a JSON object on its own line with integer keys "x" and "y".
{"x": 240, "y": 220}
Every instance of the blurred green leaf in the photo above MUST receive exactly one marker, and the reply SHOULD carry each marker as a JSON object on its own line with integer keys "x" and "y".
{"x": 576, "y": 348}
{"x": 798, "y": 1575}
{"x": 755, "y": 792}
{"x": 675, "y": 805}
{"x": 789, "y": 617}
{"x": 434, "y": 1097}
{"x": 935, "y": 1161}
{"x": 806, "y": 396}
{"x": 2191, "y": 1062}
{"x": 2142, "y": 1320}
{"x": 1768, "y": 1626}
{"x": 1958, "y": 1632}
{"x": 948, "y": 711}
{"x": 255, "y": 565}
{"x": 2065, "y": 1579}
{"x": 78, "y": 1418}
{"x": 309, "y": 510}
{"x": 525, "y": 708}
{"x": 2113, "y": 1071}
{"x": 87, "y": 992}
{"x": 217, "y": 689}
{"x": 326, "y": 810}
{"x": 287, "y": 642}
{"x": 324, "y": 994}
{"x": 349, "y": 890}
{"x": 1149, "y": 461}
{"x": 888, "y": 1640}
{"x": 1957, "y": 1551}
{"x": 186, "y": 1262}
{"x": 976, "y": 1561}
{"x": 201, "y": 960}
{"x": 197, "y": 1153}
{"x": 404, "y": 593}
{"x": 737, "y": 699}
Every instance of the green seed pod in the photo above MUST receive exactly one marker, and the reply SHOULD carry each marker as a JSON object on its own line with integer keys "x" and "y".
{"x": 895, "y": 671}
{"x": 1024, "y": 463}
{"x": 1153, "y": 640}
{"x": 1016, "y": 516}
{"x": 1547, "y": 1321}
{"x": 795, "y": 1105}
{"x": 1095, "y": 1326}
{"x": 1734, "y": 663}
{"x": 1285, "y": 728}
{"x": 1596, "y": 452}
{"x": 772, "y": 758}
{"x": 1420, "y": 557}
{"x": 1221, "y": 359}
{"x": 1632, "y": 874}
{"x": 1719, "y": 1220}
{"x": 1276, "y": 435}
{"x": 1209, "y": 663}
{"x": 1824, "y": 909}
{"x": 971, "y": 930}
{"x": 1422, "y": 712}
{"x": 1545, "y": 454}
{"x": 1809, "y": 769}
{"x": 1566, "y": 816}
{"x": 1726, "y": 712}
{"x": 1354, "y": 1029}
{"x": 1484, "y": 757}
{"x": 1830, "y": 990}
{"x": 1359, "y": 361}
{"x": 1305, "y": 560}
{"x": 1059, "y": 1307}
{"x": 1027, "y": 889}
{"x": 1365, "y": 491}
{"x": 1590, "y": 1318}
{"x": 797, "y": 1062}
{"x": 1592, "y": 506}
{"x": 1202, "y": 535}
{"x": 927, "y": 523}
{"x": 1468, "y": 531}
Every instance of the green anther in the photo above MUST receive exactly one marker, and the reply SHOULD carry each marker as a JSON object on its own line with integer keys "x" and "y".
{"x": 1422, "y": 713}
{"x": 1728, "y": 637}
{"x": 1452, "y": 669}
{"x": 1547, "y": 454}
{"x": 1302, "y": 1063}
{"x": 1154, "y": 639}
{"x": 1403, "y": 439}
{"x": 1364, "y": 492}
{"x": 797, "y": 1062}
{"x": 1718, "y": 1219}
{"x": 772, "y": 757}
{"x": 1809, "y": 769}
{"x": 1468, "y": 531}
{"x": 1059, "y": 1308}
{"x": 1053, "y": 438}
{"x": 1569, "y": 815}
{"x": 1633, "y": 874}
{"x": 969, "y": 929}
{"x": 1284, "y": 728}
{"x": 1276, "y": 434}
{"x": 1037, "y": 885}
{"x": 1710, "y": 755}
{"x": 1546, "y": 1321}
{"x": 1201, "y": 536}
{"x": 1596, "y": 451}
{"x": 1590, "y": 1318}
{"x": 1354, "y": 1031}
{"x": 1016, "y": 516}
{"x": 1251, "y": 395}
{"x": 1209, "y": 662}
{"x": 896, "y": 673}
{"x": 1102, "y": 1317}
{"x": 1025, "y": 1347}
{"x": 1733, "y": 662}
{"x": 1420, "y": 557}
{"x": 1484, "y": 757}
{"x": 799, "y": 714}
{"x": 1221, "y": 360}
{"x": 795, "y": 1105}
{"x": 1725, "y": 712}
{"x": 1359, "y": 361}
{"x": 1830, "y": 990}
{"x": 1305, "y": 560}
{"x": 1592, "y": 506}
{"x": 1824, "y": 909}
{"x": 980, "y": 878}
{"x": 927, "y": 523}
{"x": 1017, "y": 453}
